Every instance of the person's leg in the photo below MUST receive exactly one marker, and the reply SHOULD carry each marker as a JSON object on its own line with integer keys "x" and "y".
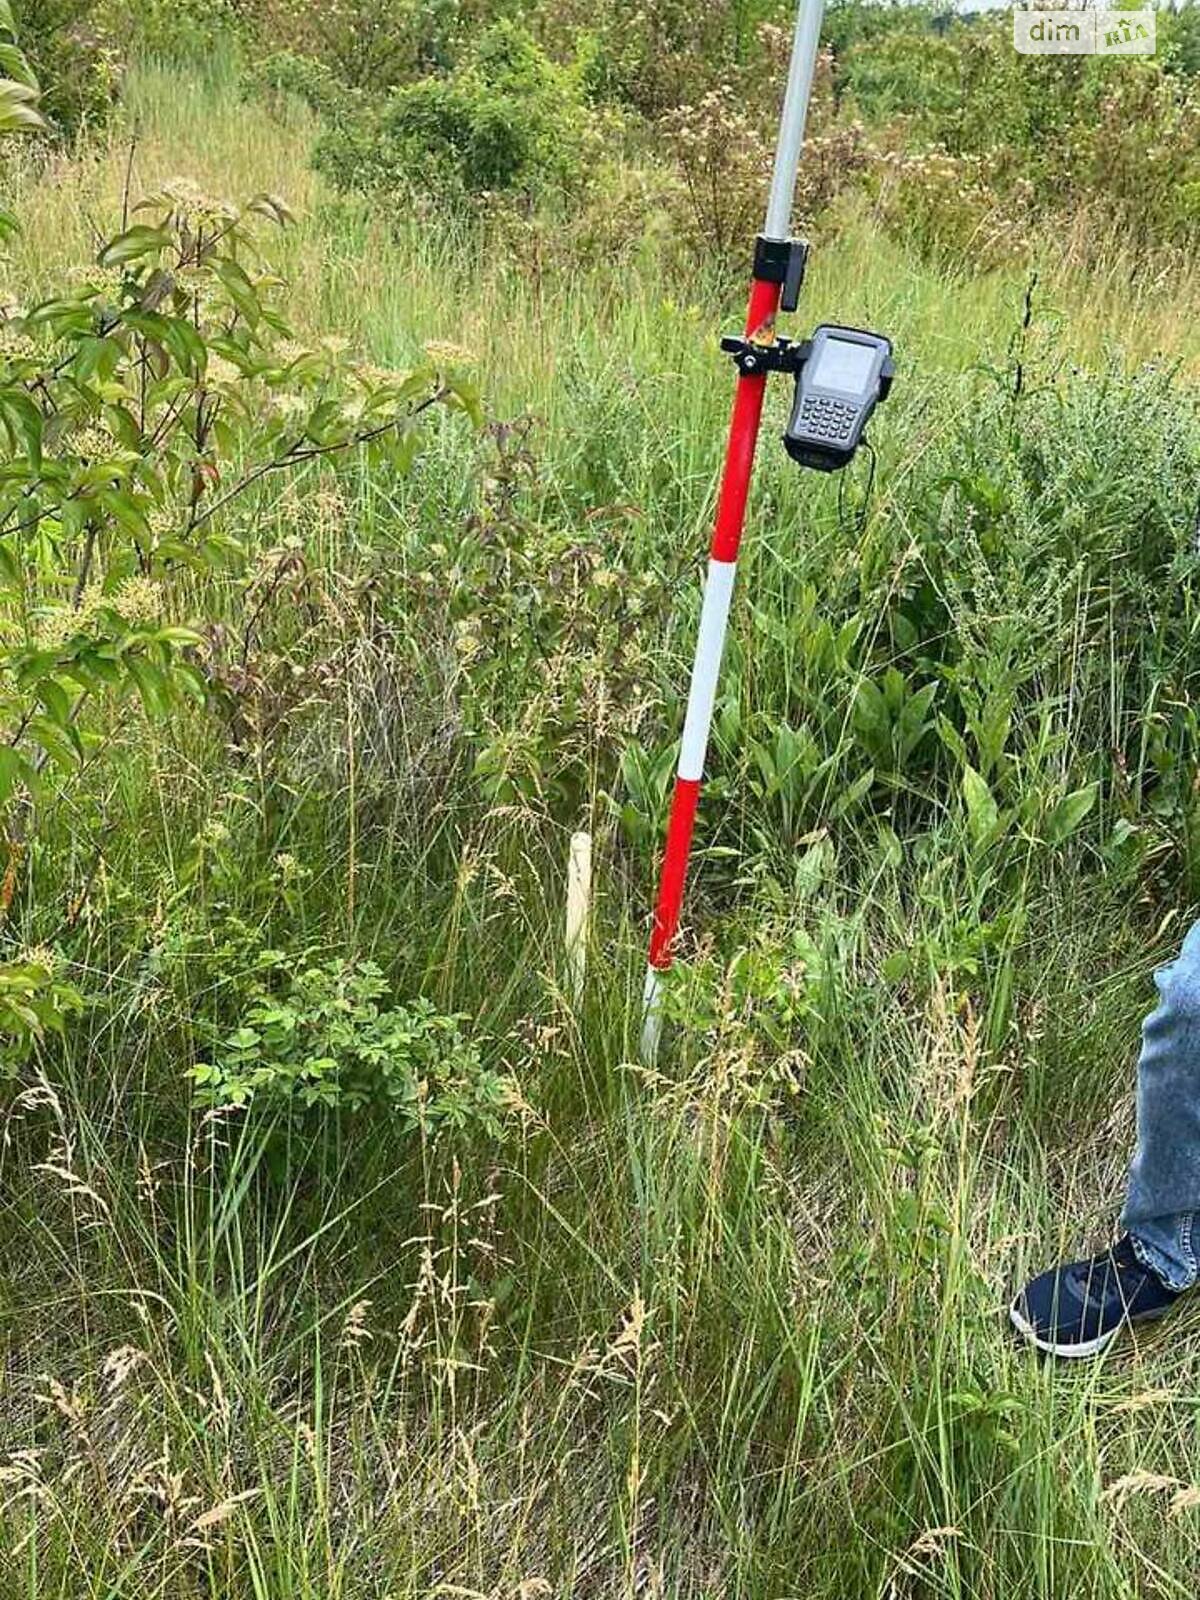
{"x": 1078, "y": 1308}
{"x": 1164, "y": 1178}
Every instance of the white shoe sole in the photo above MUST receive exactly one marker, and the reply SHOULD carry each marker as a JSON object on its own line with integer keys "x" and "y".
{"x": 1080, "y": 1351}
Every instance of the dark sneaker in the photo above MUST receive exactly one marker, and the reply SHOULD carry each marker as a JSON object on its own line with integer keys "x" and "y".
{"x": 1078, "y": 1309}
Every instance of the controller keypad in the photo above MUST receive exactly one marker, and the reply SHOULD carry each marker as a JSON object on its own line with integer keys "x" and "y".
{"x": 829, "y": 420}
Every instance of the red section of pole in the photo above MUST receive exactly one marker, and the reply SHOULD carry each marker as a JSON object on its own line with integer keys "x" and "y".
{"x": 727, "y": 537}
{"x": 743, "y": 428}
{"x": 674, "y": 870}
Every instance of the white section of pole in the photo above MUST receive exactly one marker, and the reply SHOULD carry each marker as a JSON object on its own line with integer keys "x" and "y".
{"x": 795, "y": 113}
{"x": 651, "y": 1016}
{"x": 710, "y": 646}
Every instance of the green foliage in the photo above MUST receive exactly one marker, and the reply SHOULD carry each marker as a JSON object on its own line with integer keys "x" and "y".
{"x": 1178, "y": 37}
{"x": 74, "y": 57}
{"x": 282, "y": 73}
{"x": 35, "y": 1000}
{"x": 989, "y": 146}
{"x": 19, "y": 91}
{"x": 971, "y": 152}
{"x": 136, "y": 407}
{"x": 371, "y": 45}
{"x": 187, "y": 32}
{"x": 950, "y": 823}
{"x": 662, "y": 54}
{"x": 571, "y": 611}
{"x": 507, "y": 119}
{"x": 914, "y": 73}
{"x": 320, "y": 1035}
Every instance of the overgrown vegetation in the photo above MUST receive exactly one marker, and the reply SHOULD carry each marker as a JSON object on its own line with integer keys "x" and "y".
{"x": 349, "y": 543}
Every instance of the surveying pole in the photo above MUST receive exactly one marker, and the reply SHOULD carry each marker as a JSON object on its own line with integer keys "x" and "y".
{"x": 840, "y": 374}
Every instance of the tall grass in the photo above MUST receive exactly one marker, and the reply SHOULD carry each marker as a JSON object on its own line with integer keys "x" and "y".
{"x": 735, "y": 1328}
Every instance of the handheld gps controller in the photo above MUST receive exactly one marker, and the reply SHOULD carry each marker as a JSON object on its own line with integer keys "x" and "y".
{"x": 842, "y": 375}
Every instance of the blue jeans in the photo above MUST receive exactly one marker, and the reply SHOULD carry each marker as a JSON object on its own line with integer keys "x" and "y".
{"x": 1162, "y": 1206}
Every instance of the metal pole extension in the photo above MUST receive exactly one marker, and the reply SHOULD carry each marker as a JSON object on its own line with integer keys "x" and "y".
{"x": 731, "y": 517}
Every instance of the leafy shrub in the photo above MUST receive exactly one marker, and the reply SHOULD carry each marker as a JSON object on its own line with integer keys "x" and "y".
{"x": 320, "y": 1037}
{"x": 183, "y": 31}
{"x": 724, "y": 145}
{"x": 281, "y": 74}
{"x": 561, "y": 613}
{"x": 726, "y": 163}
{"x": 913, "y": 73}
{"x": 508, "y": 119}
{"x": 985, "y": 143}
{"x": 654, "y": 56}
{"x": 19, "y": 90}
{"x": 136, "y": 409}
{"x": 35, "y": 1000}
{"x": 1134, "y": 150}
{"x": 952, "y": 210}
{"x": 72, "y": 51}
{"x": 368, "y": 44}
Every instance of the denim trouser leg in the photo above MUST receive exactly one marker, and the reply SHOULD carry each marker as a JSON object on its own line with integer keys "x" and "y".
{"x": 1164, "y": 1180}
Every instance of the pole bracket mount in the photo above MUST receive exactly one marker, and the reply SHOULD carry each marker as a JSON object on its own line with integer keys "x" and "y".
{"x": 753, "y": 359}
{"x": 782, "y": 261}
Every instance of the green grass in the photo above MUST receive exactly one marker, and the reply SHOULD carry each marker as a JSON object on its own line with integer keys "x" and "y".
{"x": 734, "y": 1329}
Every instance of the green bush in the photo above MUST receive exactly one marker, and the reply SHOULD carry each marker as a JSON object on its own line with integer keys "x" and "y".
{"x": 19, "y": 91}
{"x": 367, "y": 44}
{"x": 320, "y": 1036}
{"x": 73, "y": 52}
{"x": 988, "y": 148}
{"x": 187, "y": 32}
{"x": 655, "y": 56}
{"x": 138, "y": 405}
{"x": 282, "y": 73}
{"x": 914, "y": 73}
{"x": 507, "y": 120}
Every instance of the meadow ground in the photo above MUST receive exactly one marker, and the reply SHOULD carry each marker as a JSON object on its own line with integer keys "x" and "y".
{"x": 731, "y": 1329}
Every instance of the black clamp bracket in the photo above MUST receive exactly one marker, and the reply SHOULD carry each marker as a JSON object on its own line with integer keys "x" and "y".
{"x": 752, "y": 358}
{"x": 782, "y": 261}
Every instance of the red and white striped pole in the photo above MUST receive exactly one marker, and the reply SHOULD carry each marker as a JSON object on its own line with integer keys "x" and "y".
{"x": 727, "y": 533}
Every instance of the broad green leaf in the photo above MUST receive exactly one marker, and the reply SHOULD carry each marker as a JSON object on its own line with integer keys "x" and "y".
{"x": 21, "y": 420}
{"x": 140, "y": 240}
{"x": 857, "y": 791}
{"x": 982, "y": 812}
{"x": 56, "y": 701}
{"x": 1069, "y": 813}
{"x": 125, "y": 509}
{"x": 185, "y": 344}
{"x": 240, "y": 290}
{"x": 18, "y": 107}
{"x": 870, "y": 713}
{"x": 466, "y": 393}
{"x": 12, "y": 770}
{"x": 95, "y": 358}
{"x": 181, "y": 638}
{"x": 60, "y": 744}
{"x": 150, "y": 683}
{"x": 10, "y": 568}
{"x": 14, "y": 64}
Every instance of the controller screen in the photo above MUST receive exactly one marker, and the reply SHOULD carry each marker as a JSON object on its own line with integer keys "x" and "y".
{"x": 844, "y": 366}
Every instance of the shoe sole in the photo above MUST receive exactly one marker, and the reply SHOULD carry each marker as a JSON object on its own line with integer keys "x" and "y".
{"x": 1084, "y": 1350}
